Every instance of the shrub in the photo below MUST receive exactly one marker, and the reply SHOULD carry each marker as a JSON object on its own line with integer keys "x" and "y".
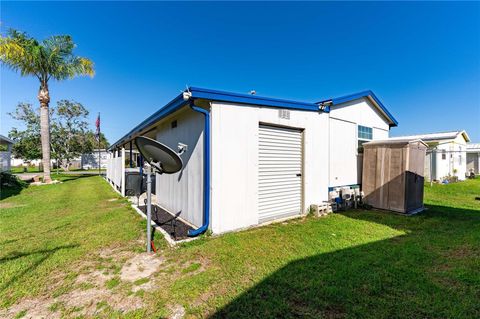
{"x": 7, "y": 179}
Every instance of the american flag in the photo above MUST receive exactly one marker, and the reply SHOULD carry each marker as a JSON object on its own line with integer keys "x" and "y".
{"x": 97, "y": 124}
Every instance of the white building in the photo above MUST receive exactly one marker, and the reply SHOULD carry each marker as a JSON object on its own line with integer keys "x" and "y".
{"x": 92, "y": 160}
{"x": 446, "y": 156}
{"x": 473, "y": 158}
{"x": 5, "y": 153}
{"x": 253, "y": 159}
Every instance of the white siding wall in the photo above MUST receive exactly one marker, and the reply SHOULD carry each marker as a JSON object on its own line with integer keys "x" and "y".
{"x": 345, "y": 163}
{"x": 343, "y": 153}
{"x": 183, "y": 192}
{"x": 235, "y": 161}
{"x": 454, "y": 149}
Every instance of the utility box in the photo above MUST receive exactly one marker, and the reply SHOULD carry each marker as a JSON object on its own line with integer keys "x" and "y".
{"x": 393, "y": 174}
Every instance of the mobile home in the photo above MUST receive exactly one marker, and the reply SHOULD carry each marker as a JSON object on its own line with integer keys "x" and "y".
{"x": 446, "y": 155}
{"x": 473, "y": 158}
{"x": 253, "y": 159}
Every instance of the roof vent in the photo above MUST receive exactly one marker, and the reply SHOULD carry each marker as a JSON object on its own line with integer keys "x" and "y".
{"x": 253, "y": 92}
{"x": 284, "y": 114}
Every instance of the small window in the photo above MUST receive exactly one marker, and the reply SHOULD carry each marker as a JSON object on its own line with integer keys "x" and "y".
{"x": 460, "y": 159}
{"x": 444, "y": 155}
{"x": 174, "y": 124}
{"x": 365, "y": 134}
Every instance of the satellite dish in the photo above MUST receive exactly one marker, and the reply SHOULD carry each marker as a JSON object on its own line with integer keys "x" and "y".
{"x": 160, "y": 156}
{"x": 165, "y": 161}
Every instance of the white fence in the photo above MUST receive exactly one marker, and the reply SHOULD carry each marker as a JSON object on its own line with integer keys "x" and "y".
{"x": 116, "y": 171}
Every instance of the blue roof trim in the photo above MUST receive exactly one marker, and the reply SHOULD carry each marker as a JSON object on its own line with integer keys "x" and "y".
{"x": 359, "y": 95}
{"x": 168, "y": 109}
{"x": 200, "y": 93}
{"x": 214, "y": 95}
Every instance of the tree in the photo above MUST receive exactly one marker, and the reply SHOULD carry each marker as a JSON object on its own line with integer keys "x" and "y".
{"x": 51, "y": 58}
{"x": 27, "y": 141}
{"x": 93, "y": 139}
{"x": 70, "y": 134}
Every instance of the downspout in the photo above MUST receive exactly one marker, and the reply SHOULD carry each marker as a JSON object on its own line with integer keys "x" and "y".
{"x": 206, "y": 172}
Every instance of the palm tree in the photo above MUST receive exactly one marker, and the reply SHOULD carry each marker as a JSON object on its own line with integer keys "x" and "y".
{"x": 52, "y": 58}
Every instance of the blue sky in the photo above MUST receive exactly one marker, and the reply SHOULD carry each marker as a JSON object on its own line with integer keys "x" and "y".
{"x": 421, "y": 59}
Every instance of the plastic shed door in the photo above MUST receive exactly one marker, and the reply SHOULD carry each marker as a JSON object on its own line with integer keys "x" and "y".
{"x": 279, "y": 172}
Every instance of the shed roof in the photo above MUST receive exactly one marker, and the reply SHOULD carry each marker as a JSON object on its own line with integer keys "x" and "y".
{"x": 395, "y": 141}
{"x": 432, "y": 137}
{"x": 6, "y": 140}
{"x": 473, "y": 147}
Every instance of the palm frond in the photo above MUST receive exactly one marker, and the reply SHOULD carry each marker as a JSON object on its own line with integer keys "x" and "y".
{"x": 52, "y": 58}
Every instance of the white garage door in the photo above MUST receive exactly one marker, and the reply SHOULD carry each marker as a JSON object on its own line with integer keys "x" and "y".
{"x": 279, "y": 172}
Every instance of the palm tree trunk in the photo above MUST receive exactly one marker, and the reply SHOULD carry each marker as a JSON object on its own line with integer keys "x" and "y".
{"x": 44, "y": 99}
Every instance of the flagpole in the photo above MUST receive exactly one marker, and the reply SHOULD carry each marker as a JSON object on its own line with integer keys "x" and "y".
{"x": 99, "y": 158}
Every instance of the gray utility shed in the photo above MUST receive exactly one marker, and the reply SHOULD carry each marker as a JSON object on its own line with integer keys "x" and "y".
{"x": 393, "y": 174}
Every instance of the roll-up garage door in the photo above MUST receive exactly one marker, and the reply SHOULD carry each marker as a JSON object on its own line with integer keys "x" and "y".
{"x": 279, "y": 172}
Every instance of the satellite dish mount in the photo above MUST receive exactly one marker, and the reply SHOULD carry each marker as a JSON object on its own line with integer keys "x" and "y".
{"x": 162, "y": 160}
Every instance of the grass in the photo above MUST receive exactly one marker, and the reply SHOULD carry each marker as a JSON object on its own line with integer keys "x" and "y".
{"x": 365, "y": 264}
{"x": 46, "y": 229}
{"x": 21, "y": 169}
{"x": 36, "y": 169}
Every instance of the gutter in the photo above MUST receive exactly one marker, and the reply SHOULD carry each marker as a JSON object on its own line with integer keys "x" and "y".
{"x": 206, "y": 170}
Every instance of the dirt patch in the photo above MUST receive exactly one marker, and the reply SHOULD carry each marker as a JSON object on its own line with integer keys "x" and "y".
{"x": 35, "y": 308}
{"x": 88, "y": 300}
{"x": 334, "y": 312}
{"x": 94, "y": 278}
{"x": 10, "y": 205}
{"x": 462, "y": 252}
{"x": 140, "y": 266}
{"x": 84, "y": 300}
{"x": 119, "y": 253}
{"x": 91, "y": 292}
{"x": 177, "y": 312}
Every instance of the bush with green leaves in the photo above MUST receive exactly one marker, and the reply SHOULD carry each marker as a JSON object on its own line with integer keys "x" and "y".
{"x": 7, "y": 179}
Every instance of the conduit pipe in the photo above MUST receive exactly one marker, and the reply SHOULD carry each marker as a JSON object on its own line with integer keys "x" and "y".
{"x": 206, "y": 172}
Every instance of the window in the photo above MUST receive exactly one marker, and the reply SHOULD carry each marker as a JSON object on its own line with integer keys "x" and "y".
{"x": 365, "y": 134}
{"x": 444, "y": 154}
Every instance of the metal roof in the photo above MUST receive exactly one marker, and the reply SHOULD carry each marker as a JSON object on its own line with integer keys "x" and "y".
{"x": 364, "y": 94}
{"x": 436, "y": 136}
{"x": 6, "y": 139}
{"x": 242, "y": 99}
{"x": 473, "y": 147}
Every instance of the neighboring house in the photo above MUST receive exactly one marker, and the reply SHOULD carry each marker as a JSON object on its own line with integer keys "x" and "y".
{"x": 91, "y": 160}
{"x": 446, "y": 156}
{"x": 473, "y": 158}
{"x": 254, "y": 159}
{"x": 5, "y": 153}
{"x": 22, "y": 162}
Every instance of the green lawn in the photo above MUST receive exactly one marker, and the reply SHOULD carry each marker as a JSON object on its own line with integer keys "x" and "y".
{"x": 36, "y": 169}
{"x": 364, "y": 264}
{"x": 21, "y": 169}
